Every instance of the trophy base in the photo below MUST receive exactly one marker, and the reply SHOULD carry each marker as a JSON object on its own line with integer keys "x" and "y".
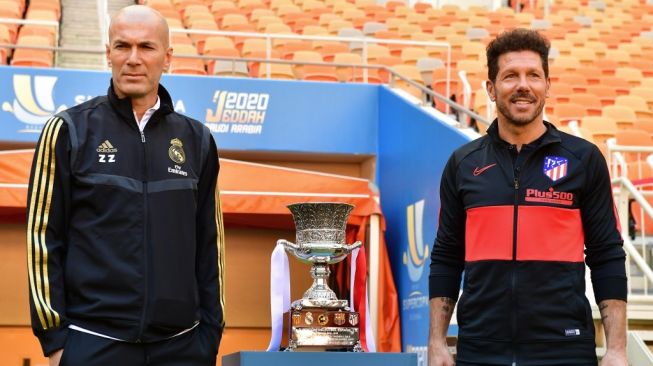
{"x": 322, "y": 304}
{"x": 318, "y": 329}
{"x": 293, "y": 348}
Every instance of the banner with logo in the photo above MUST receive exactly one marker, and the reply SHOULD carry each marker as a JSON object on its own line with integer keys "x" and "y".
{"x": 244, "y": 114}
{"x": 413, "y": 149}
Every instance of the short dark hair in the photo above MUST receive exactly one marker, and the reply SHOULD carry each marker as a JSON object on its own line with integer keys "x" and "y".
{"x": 516, "y": 40}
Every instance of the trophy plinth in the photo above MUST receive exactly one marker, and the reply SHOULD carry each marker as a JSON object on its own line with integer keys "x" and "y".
{"x": 319, "y": 321}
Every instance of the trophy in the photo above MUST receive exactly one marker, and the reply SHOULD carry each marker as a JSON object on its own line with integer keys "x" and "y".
{"x": 319, "y": 321}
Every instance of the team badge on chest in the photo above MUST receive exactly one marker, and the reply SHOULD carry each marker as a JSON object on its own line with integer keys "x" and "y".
{"x": 176, "y": 151}
{"x": 555, "y": 167}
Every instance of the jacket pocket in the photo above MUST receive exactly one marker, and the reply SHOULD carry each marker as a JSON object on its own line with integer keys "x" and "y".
{"x": 173, "y": 314}
{"x": 552, "y": 304}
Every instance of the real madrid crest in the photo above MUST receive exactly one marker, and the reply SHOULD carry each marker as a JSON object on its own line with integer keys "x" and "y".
{"x": 176, "y": 151}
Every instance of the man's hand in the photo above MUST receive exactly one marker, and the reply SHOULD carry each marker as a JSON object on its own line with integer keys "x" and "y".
{"x": 439, "y": 355}
{"x": 55, "y": 357}
{"x": 613, "y": 316}
{"x": 440, "y": 311}
{"x": 614, "y": 359}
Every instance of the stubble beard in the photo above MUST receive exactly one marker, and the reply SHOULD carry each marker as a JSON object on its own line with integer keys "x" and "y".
{"x": 504, "y": 109}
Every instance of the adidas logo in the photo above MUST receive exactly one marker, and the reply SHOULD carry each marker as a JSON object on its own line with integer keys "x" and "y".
{"x": 106, "y": 147}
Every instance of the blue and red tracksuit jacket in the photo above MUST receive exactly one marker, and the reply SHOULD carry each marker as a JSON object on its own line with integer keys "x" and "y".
{"x": 522, "y": 225}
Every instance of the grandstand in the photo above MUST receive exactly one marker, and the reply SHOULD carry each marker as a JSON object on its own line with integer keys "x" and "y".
{"x": 431, "y": 54}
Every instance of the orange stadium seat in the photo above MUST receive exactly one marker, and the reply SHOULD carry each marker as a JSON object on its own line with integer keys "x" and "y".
{"x": 569, "y": 112}
{"x": 4, "y": 38}
{"x": 636, "y": 103}
{"x": 644, "y": 92}
{"x": 304, "y": 56}
{"x": 606, "y": 94}
{"x": 632, "y": 75}
{"x": 623, "y": 116}
{"x": 184, "y": 65}
{"x": 410, "y": 55}
{"x": 277, "y": 71}
{"x": 592, "y": 104}
{"x": 601, "y": 128}
{"x": 33, "y": 57}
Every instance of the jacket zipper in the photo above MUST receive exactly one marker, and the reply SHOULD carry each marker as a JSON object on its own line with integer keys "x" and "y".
{"x": 513, "y": 278}
{"x": 145, "y": 239}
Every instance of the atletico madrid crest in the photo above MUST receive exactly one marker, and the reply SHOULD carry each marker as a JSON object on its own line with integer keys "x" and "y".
{"x": 555, "y": 167}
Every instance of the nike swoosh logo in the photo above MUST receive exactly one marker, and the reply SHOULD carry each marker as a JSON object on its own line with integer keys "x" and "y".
{"x": 480, "y": 171}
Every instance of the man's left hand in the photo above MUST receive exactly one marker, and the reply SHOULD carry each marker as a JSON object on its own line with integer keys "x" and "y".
{"x": 614, "y": 359}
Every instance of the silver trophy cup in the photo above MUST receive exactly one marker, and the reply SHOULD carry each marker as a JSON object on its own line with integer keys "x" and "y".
{"x": 319, "y": 320}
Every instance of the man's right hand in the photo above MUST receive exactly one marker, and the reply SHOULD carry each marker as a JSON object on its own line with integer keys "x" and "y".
{"x": 55, "y": 357}
{"x": 439, "y": 355}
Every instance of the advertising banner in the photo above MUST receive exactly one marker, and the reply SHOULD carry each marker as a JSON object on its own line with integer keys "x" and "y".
{"x": 243, "y": 114}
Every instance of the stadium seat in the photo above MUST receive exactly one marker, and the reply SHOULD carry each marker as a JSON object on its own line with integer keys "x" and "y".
{"x": 636, "y": 103}
{"x": 304, "y": 56}
{"x": 623, "y": 116}
{"x": 567, "y": 112}
{"x": 410, "y": 55}
{"x": 644, "y": 92}
{"x": 591, "y": 102}
{"x": 4, "y": 38}
{"x": 632, "y": 75}
{"x": 277, "y": 71}
{"x": 185, "y": 65}
{"x": 231, "y": 68}
{"x": 601, "y": 128}
{"x": 33, "y": 57}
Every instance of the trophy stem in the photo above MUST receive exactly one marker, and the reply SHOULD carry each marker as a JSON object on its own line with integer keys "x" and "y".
{"x": 320, "y": 290}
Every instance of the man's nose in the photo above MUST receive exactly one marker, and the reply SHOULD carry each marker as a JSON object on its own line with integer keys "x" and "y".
{"x": 134, "y": 57}
{"x": 523, "y": 83}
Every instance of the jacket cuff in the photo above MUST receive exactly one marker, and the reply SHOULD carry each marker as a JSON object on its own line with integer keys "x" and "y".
{"x": 612, "y": 288}
{"x": 444, "y": 287}
{"x": 53, "y": 340}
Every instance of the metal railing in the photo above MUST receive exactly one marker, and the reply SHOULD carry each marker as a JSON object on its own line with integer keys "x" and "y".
{"x": 393, "y": 75}
{"x": 626, "y": 192}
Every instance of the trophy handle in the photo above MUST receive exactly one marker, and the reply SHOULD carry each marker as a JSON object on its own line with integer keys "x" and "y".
{"x": 357, "y": 244}
{"x": 290, "y": 246}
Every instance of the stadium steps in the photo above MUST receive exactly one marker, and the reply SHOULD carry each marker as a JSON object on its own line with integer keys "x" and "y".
{"x": 80, "y": 29}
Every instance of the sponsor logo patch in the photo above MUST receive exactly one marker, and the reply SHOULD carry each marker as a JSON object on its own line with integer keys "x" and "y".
{"x": 550, "y": 196}
{"x": 555, "y": 167}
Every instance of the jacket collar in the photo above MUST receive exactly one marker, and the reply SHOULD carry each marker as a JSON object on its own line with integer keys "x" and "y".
{"x": 552, "y": 135}
{"x": 124, "y": 106}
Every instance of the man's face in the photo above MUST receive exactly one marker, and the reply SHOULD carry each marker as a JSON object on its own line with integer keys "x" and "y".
{"x": 520, "y": 88}
{"x": 138, "y": 54}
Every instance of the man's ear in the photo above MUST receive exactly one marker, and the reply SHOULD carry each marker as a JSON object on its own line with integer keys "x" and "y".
{"x": 168, "y": 59}
{"x": 489, "y": 87}
{"x": 107, "y": 51}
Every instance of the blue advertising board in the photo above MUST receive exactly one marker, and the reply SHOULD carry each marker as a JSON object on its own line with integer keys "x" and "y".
{"x": 243, "y": 114}
{"x": 413, "y": 149}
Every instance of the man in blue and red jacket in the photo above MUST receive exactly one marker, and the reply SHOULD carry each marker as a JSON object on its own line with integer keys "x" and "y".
{"x": 522, "y": 210}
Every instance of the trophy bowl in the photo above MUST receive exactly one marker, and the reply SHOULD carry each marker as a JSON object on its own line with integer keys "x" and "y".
{"x": 319, "y": 320}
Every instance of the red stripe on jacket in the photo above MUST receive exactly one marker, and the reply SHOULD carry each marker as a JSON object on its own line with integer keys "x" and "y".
{"x": 543, "y": 233}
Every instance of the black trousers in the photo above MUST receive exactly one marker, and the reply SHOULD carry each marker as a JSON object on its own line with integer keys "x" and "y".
{"x": 189, "y": 349}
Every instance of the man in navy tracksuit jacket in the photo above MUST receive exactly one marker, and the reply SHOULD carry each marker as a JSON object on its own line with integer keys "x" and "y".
{"x": 124, "y": 237}
{"x": 523, "y": 208}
